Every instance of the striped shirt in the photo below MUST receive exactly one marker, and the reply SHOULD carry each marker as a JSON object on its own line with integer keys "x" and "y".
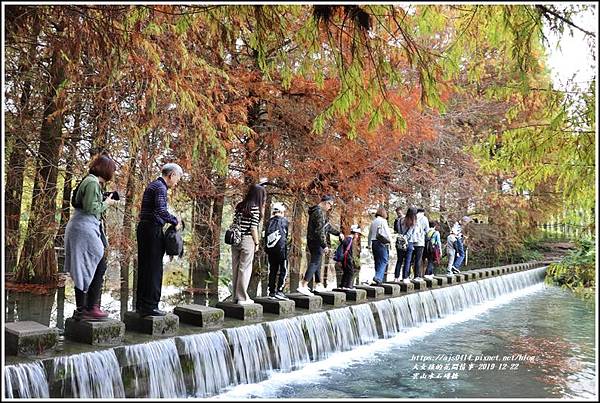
{"x": 154, "y": 204}
{"x": 249, "y": 222}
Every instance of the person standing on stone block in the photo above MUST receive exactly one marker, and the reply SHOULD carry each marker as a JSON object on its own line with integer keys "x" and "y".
{"x": 153, "y": 216}
{"x": 348, "y": 257}
{"x": 248, "y": 213}
{"x": 276, "y": 235}
{"x": 460, "y": 240}
{"x": 379, "y": 242}
{"x": 85, "y": 240}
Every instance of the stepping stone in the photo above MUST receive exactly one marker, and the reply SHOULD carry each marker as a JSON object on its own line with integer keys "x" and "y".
{"x": 431, "y": 283}
{"x": 495, "y": 271}
{"x": 469, "y": 275}
{"x": 450, "y": 278}
{"x": 392, "y": 289}
{"x": 460, "y": 278}
{"x": 354, "y": 294}
{"x": 29, "y": 338}
{"x": 107, "y": 332}
{"x": 410, "y": 287}
{"x": 276, "y": 306}
{"x": 167, "y": 325}
{"x": 249, "y": 312}
{"x": 419, "y": 285}
{"x": 441, "y": 280}
{"x": 372, "y": 291}
{"x": 200, "y": 315}
{"x": 335, "y": 298}
{"x": 314, "y": 303}
{"x": 486, "y": 272}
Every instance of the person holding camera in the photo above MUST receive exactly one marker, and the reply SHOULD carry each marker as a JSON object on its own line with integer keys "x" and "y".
{"x": 85, "y": 240}
{"x": 151, "y": 242}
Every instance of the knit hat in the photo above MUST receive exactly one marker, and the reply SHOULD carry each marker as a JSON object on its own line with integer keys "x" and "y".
{"x": 327, "y": 198}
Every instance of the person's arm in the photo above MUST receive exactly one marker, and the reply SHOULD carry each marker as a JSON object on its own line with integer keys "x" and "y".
{"x": 91, "y": 198}
{"x": 255, "y": 218}
{"x": 320, "y": 228}
{"x": 160, "y": 206}
{"x": 369, "y": 236}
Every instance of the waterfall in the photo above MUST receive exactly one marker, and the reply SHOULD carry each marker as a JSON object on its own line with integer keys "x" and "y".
{"x": 251, "y": 356}
{"x": 289, "y": 347}
{"x": 429, "y": 306}
{"x": 417, "y": 312}
{"x": 402, "y": 313}
{"x": 210, "y": 357}
{"x": 386, "y": 313}
{"x": 445, "y": 301}
{"x": 320, "y": 335}
{"x": 89, "y": 375}
{"x": 153, "y": 370}
{"x": 365, "y": 323}
{"x": 344, "y": 329}
{"x": 25, "y": 381}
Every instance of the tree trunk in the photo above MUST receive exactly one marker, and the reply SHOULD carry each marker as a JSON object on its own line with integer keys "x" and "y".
{"x": 201, "y": 266}
{"x": 217, "y": 222}
{"x": 38, "y": 260}
{"x": 296, "y": 249}
{"x": 18, "y": 161}
{"x": 127, "y": 244}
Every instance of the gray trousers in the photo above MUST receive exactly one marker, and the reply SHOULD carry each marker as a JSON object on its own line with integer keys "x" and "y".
{"x": 241, "y": 267}
{"x": 451, "y": 254}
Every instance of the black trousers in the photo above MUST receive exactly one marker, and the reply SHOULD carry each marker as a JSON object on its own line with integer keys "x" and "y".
{"x": 347, "y": 275}
{"x": 314, "y": 265}
{"x": 94, "y": 290}
{"x": 151, "y": 249}
{"x": 401, "y": 254}
{"x": 277, "y": 265}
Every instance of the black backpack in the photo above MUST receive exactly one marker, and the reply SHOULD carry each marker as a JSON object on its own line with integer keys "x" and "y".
{"x": 174, "y": 241}
{"x": 429, "y": 244}
{"x": 276, "y": 234}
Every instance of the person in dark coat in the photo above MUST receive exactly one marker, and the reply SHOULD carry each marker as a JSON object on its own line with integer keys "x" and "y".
{"x": 150, "y": 240}
{"x": 276, "y": 235}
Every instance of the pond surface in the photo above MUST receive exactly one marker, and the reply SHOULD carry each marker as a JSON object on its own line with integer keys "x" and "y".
{"x": 546, "y": 334}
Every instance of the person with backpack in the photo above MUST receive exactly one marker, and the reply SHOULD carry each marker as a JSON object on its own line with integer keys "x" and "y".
{"x": 433, "y": 248}
{"x": 247, "y": 215}
{"x": 378, "y": 241}
{"x": 460, "y": 248}
{"x": 401, "y": 243}
{"x": 408, "y": 224}
{"x": 276, "y": 235}
{"x": 345, "y": 255}
{"x": 317, "y": 232}
{"x": 154, "y": 214}
{"x": 85, "y": 240}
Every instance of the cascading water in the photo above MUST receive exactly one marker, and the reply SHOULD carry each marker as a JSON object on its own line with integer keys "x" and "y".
{"x": 206, "y": 359}
{"x": 445, "y": 299}
{"x": 365, "y": 323}
{"x": 153, "y": 370}
{"x": 417, "y": 312}
{"x": 289, "y": 346}
{"x": 250, "y": 350}
{"x": 25, "y": 381}
{"x": 89, "y": 375}
{"x": 344, "y": 329}
{"x": 429, "y": 306}
{"x": 386, "y": 314}
{"x": 320, "y": 335}
{"x": 402, "y": 313}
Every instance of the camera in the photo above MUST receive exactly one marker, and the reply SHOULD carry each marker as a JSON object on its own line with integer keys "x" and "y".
{"x": 115, "y": 195}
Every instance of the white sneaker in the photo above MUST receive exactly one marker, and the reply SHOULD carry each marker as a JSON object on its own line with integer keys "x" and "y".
{"x": 406, "y": 281}
{"x": 418, "y": 279}
{"x": 305, "y": 291}
{"x": 319, "y": 288}
{"x": 429, "y": 276}
{"x": 246, "y": 302}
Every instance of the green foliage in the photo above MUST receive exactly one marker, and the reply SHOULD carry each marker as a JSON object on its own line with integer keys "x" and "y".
{"x": 577, "y": 271}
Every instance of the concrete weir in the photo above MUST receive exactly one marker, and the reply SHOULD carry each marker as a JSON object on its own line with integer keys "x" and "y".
{"x": 282, "y": 337}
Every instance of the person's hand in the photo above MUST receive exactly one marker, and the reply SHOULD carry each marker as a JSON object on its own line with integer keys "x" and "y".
{"x": 256, "y": 246}
{"x": 342, "y": 237}
{"x": 326, "y": 251}
{"x": 110, "y": 201}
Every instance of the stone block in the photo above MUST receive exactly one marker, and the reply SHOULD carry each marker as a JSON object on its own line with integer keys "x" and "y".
{"x": 312, "y": 303}
{"x": 335, "y": 298}
{"x": 419, "y": 285}
{"x": 391, "y": 289}
{"x": 410, "y": 287}
{"x": 431, "y": 283}
{"x": 276, "y": 306}
{"x": 450, "y": 279}
{"x": 372, "y": 291}
{"x": 29, "y": 338}
{"x": 441, "y": 280}
{"x": 107, "y": 332}
{"x": 249, "y": 312}
{"x": 167, "y": 325}
{"x": 460, "y": 278}
{"x": 469, "y": 275}
{"x": 353, "y": 294}
{"x": 200, "y": 315}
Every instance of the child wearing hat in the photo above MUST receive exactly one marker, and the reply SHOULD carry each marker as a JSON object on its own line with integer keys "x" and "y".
{"x": 347, "y": 259}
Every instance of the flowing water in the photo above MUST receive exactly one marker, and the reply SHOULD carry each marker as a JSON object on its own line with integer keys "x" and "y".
{"x": 289, "y": 346}
{"x": 320, "y": 335}
{"x": 386, "y": 313}
{"x": 344, "y": 328}
{"x": 89, "y": 375}
{"x": 251, "y": 357}
{"x": 25, "y": 381}
{"x": 365, "y": 323}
